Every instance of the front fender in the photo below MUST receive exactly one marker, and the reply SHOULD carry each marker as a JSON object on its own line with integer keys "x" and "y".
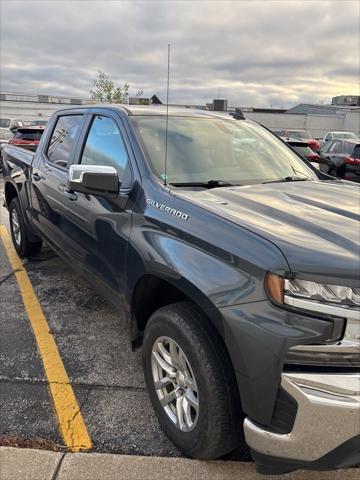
{"x": 212, "y": 278}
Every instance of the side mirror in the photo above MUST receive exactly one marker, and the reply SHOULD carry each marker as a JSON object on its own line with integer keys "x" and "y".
{"x": 94, "y": 180}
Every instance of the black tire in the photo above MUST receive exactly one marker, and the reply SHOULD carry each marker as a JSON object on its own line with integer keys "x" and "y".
{"x": 218, "y": 429}
{"x": 22, "y": 244}
{"x": 332, "y": 172}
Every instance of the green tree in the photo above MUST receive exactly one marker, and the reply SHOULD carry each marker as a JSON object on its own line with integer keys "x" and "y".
{"x": 105, "y": 91}
{"x": 120, "y": 94}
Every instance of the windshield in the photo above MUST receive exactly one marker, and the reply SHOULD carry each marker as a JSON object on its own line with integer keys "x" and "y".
{"x": 204, "y": 149}
{"x": 5, "y": 122}
{"x": 36, "y": 123}
{"x": 5, "y": 134}
{"x": 31, "y": 135}
{"x": 344, "y": 135}
{"x": 303, "y": 150}
{"x": 299, "y": 133}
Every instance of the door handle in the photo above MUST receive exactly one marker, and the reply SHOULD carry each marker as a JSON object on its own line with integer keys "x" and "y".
{"x": 70, "y": 195}
{"x": 36, "y": 177}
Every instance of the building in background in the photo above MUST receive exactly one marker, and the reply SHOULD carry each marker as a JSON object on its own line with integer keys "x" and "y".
{"x": 349, "y": 100}
{"x": 313, "y": 109}
{"x": 30, "y": 107}
{"x": 319, "y": 119}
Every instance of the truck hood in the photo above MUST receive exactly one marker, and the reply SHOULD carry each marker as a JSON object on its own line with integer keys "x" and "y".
{"x": 315, "y": 224}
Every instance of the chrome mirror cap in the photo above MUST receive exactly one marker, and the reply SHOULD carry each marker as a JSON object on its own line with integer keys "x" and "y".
{"x": 94, "y": 179}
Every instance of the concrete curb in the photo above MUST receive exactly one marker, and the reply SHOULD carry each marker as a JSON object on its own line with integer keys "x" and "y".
{"x": 28, "y": 464}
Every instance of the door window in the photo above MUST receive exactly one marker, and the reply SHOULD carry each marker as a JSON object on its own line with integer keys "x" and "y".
{"x": 335, "y": 147}
{"x": 63, "y": 139}
{"x": 105, "y": 146}
{"x": 325, "y": 148}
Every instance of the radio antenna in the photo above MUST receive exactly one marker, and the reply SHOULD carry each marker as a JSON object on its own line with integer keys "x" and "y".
{"x": 167, "y": 116}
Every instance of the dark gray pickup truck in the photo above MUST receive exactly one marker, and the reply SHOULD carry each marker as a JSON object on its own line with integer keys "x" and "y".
{"x": 235, "y": 263}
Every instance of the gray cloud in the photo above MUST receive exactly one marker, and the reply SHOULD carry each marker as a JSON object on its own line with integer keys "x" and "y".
{"x": 255, "y": 53}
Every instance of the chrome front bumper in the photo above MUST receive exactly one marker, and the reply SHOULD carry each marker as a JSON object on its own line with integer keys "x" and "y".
{"x": 328, "y": 415}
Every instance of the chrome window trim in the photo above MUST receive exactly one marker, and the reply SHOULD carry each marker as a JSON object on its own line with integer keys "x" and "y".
{"x": 345, "y": 312}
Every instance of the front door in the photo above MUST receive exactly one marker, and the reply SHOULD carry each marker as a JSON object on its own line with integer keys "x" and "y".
{"x": 99, "y": 228}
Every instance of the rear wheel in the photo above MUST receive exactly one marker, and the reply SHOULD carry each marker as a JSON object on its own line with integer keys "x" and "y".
{"x": 19, "y": 233}
{"x": 191, "y": 383}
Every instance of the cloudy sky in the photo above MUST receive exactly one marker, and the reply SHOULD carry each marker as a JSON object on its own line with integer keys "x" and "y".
{"x": 254, "y": 53}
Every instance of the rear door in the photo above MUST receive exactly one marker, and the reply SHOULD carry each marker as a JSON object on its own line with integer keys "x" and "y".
{"x": 50, "y": 173}
{"x": 98, "y": 229}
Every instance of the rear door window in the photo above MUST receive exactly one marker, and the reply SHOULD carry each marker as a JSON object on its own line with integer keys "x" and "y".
{"x": 303, "y": 150}
{"x": 63, "y": 139}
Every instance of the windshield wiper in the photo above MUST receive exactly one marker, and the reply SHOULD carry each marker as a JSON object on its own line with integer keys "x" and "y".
{"x": 290, "y": 178}
{"x": 208, "y": 184}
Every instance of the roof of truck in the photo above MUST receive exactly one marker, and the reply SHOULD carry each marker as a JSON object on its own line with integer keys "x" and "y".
{"x": 152, "y": 110}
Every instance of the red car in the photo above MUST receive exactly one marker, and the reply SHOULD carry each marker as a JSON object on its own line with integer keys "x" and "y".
{"x": 304, "y": 135}
{"x": 303, "y": 148}
{"x": 27, "y": 137}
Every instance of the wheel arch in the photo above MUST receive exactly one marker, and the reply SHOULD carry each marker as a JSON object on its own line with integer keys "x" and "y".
{"x": 10, "y": 193}
{"x": 153, "y": 291}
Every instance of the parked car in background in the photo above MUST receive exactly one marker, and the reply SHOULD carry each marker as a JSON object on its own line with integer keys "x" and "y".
{"x": 5, "y": 136}
{"x": 345, "y": 158}
{"x": 339, "y": 136}
{"x": 27, "y": 137}
{"x": 304, "y": 135}
{"x": 303, "y": 148}
{"x": 38, "y": 123}
{"x": 11, "y": 123}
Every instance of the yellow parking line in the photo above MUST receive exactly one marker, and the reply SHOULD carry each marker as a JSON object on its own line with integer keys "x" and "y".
{"x": 71, "y": 422}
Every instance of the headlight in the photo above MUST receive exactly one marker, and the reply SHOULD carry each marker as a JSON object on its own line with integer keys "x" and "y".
{"x": 322, "y": 292}
{"x": 319, "y": 297}
{"x": 339, "y": 302}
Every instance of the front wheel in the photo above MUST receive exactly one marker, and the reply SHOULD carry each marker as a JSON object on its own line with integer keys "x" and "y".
{"x": 19, "y": 233}
{"x": 191, "y": 382}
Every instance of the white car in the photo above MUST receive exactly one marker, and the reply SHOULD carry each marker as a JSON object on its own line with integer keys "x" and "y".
{"x": 339, "y": 136}
{"x": 5, "y": 135}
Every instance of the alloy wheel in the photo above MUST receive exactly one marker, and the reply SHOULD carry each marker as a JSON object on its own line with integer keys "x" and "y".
{"x": 175, "y": 383}
{"x": 15, "y": 227}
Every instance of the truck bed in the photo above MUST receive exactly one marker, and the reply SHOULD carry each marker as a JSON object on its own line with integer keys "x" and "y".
{"x": 20, "y": 156}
